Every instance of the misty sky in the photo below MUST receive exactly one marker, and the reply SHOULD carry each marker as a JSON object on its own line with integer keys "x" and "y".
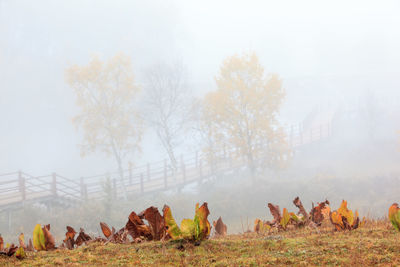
{"x": 325, "y": 52}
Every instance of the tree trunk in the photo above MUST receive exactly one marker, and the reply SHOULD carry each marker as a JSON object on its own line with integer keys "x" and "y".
{"x": 252, "y": 168}
{"x": 121, "y": 176}
{"x": 121, "y": 172}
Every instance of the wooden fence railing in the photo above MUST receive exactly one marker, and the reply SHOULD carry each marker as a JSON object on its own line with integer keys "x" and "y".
{"x": 19, "y": 187}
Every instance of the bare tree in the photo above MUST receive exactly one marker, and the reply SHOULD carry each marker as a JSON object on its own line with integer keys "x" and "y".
{"x": 168, "y": 103}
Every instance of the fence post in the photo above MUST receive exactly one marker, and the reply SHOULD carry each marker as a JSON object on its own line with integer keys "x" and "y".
{"x": 114, "y": 188}
{"x": 54, "y": 184}
{"x": 165, "y": 174}
{"x": 148, "y": 171}
{"x": 141, "y": 184}
{"x": 9, "y": 223}
{"x": 183, "y": 170}
{"x": 22, "y": 189}
{"x": 83, "y": 190}
{"x": 201, "y": 170}
{"x": 130, "y": 173}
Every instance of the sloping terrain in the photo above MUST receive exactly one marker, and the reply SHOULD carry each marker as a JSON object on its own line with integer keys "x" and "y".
{"x": 376, "y": 244}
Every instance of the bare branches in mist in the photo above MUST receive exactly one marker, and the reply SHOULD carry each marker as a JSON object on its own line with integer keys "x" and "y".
{"x": 168, "y": 101}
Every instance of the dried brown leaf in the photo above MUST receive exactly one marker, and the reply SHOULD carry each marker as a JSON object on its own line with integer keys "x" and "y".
{"x": 318, "y": 213}
{"x": 274, "y": 209}
{"x": 82, "y": 238}
{"x": 136, "y": 227}
{"x": 30, "y": 245}
{"x": 156, "y": 222}
{"x": 48, "y": 238}
{"x": 11, "y": 250}
{"x": 220, "y": 227}
{"x": 302, "y": 210}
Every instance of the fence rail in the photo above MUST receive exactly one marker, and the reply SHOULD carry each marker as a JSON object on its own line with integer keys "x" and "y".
{"x": 17, "y": 188}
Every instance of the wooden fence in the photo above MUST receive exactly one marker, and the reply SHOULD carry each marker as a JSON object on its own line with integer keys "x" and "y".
{"x": 18, "y": 188}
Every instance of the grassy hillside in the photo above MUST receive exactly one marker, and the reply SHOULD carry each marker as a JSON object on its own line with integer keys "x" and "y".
{"x": 375, "y": 244}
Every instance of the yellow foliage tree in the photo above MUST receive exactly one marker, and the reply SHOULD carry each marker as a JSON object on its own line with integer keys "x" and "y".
{"x": 242, "y": 113}
{"x": 106, "y": 95}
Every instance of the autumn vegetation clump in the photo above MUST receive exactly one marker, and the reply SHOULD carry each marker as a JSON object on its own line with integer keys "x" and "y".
{"x": 342, "y": 219}
{"x": 345, "y": 219}
{"x": 285, "y": 219}
{"x": 197, "y": 229}
{"x": 158, "y": 227}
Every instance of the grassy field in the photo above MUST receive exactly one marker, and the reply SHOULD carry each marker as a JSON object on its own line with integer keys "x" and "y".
{"x": 374, "y": 244}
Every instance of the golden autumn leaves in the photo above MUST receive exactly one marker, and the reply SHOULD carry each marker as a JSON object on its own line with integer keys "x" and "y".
{"x": 345, "y": 219}
{"x": 242, "y": 113}
{"x": 105, "y": 94}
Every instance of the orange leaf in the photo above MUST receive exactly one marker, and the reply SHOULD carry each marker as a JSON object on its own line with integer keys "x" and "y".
{"x": 105, "y": 229}
{"x": 69, "y": 237}
{"x": 70, "y": 234}
{"x": 337, "y": 221}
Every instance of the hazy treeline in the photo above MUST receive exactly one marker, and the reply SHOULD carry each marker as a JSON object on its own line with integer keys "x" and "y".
{"x": 241, "y": 114}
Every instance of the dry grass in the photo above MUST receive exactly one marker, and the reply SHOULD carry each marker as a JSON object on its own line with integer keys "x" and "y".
{"x": 377, "y": 243}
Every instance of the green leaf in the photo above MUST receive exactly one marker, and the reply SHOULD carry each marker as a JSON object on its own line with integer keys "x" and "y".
{"x": 203, "y": 227}
{"x": 20, "y": 253}
{"x": 188, "y": 229}
{"x": 285, "y": 218}
{"x": 294, "y": 217}
{"x": 38, "y": 238}
{"x": 394, "y": 216}
{"x": 173, "y": 229}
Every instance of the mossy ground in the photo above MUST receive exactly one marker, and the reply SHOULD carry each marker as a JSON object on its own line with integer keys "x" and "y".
{"x": 374, "y": 245}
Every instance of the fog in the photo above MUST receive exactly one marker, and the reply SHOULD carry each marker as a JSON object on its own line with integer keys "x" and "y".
{"x": 338, "y": 62}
